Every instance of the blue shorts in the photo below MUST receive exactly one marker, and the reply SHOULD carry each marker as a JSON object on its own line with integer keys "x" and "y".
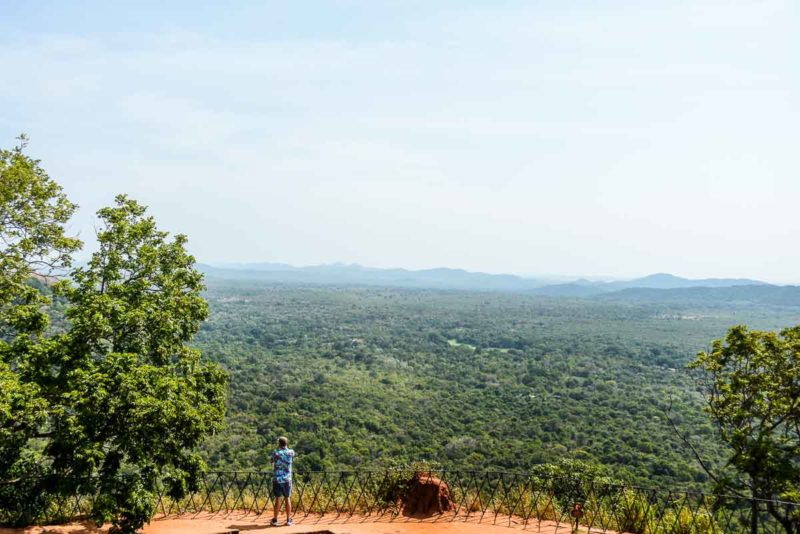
{"x": 282, "y": 489}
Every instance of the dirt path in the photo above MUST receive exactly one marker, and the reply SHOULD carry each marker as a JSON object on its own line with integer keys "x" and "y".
{"x": 328, "y": 524}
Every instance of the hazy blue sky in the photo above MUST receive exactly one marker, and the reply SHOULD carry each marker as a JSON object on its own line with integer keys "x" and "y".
{"x": 579, "y": 137}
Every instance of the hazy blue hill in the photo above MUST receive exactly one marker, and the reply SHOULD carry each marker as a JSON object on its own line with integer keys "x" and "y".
{"x": 341, "y": 274}
{"x": 253, "y": 267}
{"x": 452, "y": 279}
{"x": 758, "y": 294}
{"x": 586, "y": 288}
{"x": 669, "y": 281}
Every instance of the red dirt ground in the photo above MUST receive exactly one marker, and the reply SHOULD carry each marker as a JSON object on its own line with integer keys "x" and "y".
{"x": 329, "y": 524}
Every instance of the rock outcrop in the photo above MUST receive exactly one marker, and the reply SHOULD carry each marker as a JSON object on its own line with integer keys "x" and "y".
{"x": 426, "y": 495}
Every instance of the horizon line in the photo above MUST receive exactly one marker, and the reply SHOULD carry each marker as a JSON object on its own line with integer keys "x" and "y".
{"x": 557, "y": 277}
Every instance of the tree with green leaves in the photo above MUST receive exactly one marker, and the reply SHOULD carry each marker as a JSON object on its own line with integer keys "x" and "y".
{"x": 33, "y": 246}
{"x": 117, "y": 403}
{"x": 751, "y": 382}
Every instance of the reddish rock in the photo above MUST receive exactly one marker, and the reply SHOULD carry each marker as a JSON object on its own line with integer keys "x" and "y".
{"x": 426, "y": 495}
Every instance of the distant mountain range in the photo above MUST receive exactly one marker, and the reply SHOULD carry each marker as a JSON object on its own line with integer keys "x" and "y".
{"x": 587, "y": 288}
{"x": 353, "y": 274}
{"x": 660, "y": 287}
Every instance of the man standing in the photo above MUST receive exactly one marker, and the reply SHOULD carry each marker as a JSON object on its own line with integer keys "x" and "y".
{"x": 282, "y": 479}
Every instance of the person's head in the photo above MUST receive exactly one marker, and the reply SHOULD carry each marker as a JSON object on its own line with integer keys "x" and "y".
{"x": 283, "y": 441}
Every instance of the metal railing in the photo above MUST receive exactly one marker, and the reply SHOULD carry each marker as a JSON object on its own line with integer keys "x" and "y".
{"x": 514, "y": 499}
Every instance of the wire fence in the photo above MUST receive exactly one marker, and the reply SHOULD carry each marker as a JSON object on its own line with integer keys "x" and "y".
{"x": 516, "y": 499}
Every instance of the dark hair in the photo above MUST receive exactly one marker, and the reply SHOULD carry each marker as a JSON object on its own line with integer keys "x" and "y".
{"x": 283, "y": 441}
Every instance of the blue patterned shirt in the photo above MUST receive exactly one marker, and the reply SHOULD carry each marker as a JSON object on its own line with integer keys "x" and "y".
{"x": 282, "y": 465}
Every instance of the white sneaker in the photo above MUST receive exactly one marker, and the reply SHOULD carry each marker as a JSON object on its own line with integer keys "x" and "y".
{"x": 289, "y": 522}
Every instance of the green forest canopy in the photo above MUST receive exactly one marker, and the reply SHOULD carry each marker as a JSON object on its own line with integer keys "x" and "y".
{"x": 369, "y": 376}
